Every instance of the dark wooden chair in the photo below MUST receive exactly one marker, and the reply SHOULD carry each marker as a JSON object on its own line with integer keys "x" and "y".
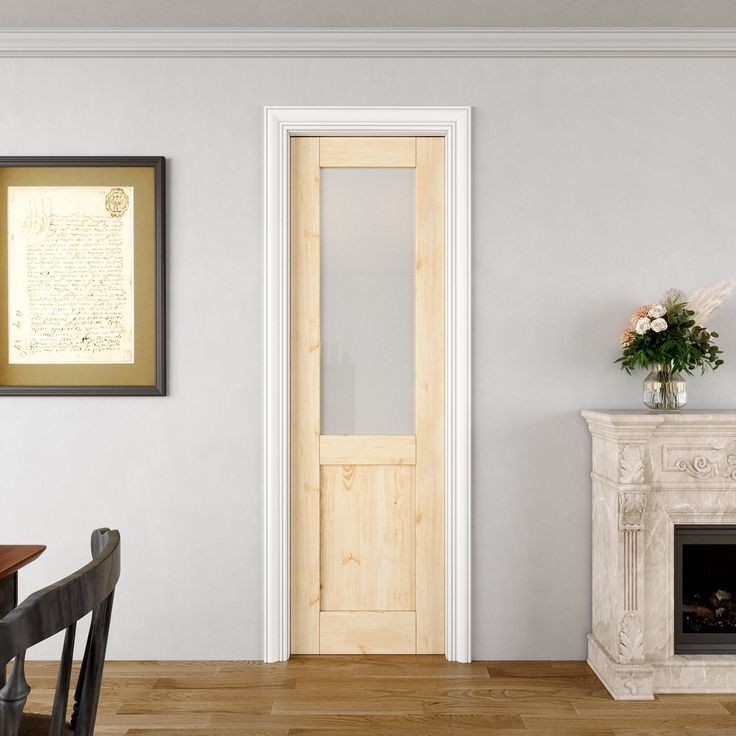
{"x": 45, "y": 613}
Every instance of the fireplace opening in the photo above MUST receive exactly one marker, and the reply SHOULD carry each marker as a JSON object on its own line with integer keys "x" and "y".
{"x": 705, "y": 589}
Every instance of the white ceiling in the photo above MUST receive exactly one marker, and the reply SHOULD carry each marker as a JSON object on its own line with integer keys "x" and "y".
{"x": 367, "y": 13}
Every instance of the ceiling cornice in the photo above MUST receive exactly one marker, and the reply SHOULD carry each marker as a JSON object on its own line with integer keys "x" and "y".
{"x": 353, "y": 42}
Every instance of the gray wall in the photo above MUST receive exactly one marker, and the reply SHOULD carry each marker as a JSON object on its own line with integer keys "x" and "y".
{"x": 368, "y": 13}
{"x": 597, "y": 184}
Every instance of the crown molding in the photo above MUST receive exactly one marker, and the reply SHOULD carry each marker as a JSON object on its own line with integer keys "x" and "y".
{"x": 353, "y": 42}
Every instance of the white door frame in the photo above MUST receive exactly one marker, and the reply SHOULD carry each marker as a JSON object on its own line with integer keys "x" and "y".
{"x": 454, "y": 124}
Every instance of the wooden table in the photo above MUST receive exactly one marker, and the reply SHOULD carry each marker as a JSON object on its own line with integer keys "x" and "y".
{"x": 12, "y": 558}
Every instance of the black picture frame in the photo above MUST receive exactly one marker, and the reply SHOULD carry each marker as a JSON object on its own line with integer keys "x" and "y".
{"x": 158, "y": 165}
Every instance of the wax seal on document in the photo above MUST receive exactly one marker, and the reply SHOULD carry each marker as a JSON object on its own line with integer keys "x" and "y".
{"x": 117, "y": 202}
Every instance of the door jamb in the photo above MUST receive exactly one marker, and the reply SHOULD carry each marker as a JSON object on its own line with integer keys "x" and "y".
{"x": 453, "y": 123}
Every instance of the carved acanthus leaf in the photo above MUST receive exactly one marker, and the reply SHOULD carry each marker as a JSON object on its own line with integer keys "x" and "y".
{"x": 631, "y": 465}
{"x": 631, "y": 638}
{"x": 630, "y": 511}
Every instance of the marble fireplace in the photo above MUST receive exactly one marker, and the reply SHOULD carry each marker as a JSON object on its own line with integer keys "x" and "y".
{"x": 655, "y": 474}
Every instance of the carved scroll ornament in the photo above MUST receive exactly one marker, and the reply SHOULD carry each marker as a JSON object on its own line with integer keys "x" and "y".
{"x": 722, "y": 464}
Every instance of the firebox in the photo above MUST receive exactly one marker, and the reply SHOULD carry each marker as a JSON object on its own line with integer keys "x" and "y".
{"x": 705, "y": 589}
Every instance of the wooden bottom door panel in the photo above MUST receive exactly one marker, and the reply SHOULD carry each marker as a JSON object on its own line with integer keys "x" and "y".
{"x": 368, "y": 538}
{"x": 367, "y": 632}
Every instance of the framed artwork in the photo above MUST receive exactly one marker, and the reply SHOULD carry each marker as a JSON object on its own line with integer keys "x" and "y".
{"x": 82, "y": 276}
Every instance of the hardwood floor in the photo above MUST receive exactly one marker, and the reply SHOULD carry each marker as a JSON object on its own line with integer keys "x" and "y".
{"x": 380, "y": 696}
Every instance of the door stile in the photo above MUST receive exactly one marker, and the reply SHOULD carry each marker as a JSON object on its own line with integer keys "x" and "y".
{"x": 430, "y": 398}
{"x": 305, "y": 395}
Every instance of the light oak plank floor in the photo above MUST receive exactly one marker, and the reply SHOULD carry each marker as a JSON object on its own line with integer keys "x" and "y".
{"x": 380, "y": 696}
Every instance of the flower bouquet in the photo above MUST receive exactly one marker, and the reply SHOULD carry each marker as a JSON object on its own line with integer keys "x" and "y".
{"x": 670, "y": 337}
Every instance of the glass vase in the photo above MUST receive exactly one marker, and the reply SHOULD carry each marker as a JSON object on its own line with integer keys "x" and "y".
{"x": 664, "y": 390}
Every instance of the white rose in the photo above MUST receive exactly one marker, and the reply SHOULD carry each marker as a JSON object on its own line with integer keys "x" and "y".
{"x": 657, "y": 311}
{"x": 642, "y": 326}
{"x": 658, "y": 325}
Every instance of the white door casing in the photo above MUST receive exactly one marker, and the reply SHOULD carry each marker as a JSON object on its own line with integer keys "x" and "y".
{"x": 454, "y": 124}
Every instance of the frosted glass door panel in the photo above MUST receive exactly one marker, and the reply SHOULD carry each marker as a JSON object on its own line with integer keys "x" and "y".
{"x": 367, "y": 300}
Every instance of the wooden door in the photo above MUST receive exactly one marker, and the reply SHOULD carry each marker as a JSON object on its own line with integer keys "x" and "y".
{"x": 367, "y": 510}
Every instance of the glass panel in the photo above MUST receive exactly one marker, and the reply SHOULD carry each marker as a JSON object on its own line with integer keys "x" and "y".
{"x": 367, "y": 301}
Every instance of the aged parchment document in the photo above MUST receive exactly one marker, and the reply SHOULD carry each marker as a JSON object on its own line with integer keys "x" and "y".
{"x": 70, "y": 274}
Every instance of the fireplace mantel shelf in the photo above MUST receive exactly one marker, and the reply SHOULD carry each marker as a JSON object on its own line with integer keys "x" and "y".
{"x": 651, "y": 471}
